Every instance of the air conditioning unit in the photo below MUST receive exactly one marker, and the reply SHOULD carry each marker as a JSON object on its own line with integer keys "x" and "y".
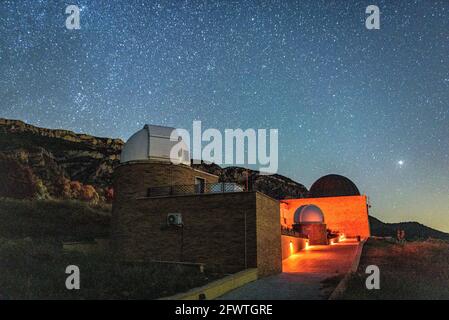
{"x": 174, "y": 219}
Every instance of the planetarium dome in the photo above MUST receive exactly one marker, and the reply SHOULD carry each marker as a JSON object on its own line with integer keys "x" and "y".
{"x": 333, "y": 185}
{"x": 154, "y": 143}
{"x": 308, "y": 214}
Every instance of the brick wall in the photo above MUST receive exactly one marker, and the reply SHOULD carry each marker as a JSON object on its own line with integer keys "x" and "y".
{"x": 269, "y": 254}
{"x": 132, "y": 180}
{"x": 230, "y": 230}
{"x": 347, "y": 214}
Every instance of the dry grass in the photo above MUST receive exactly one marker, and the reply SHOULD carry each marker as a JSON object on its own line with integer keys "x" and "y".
{"x": 63, "y": 220}
{"x": 32, "y": 261}
{"x": 414, "y": 270}
{"x": 31, "y": 269}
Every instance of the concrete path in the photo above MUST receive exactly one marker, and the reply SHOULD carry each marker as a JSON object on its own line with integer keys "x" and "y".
{"x": 302, "y": 274}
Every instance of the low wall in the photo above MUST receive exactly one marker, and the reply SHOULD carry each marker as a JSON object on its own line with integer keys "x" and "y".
{"x": 343, "y": 285}
{"x": 296, "y": 245}
{"x": 96, "y": 246}
{"x": 217, "y": 288}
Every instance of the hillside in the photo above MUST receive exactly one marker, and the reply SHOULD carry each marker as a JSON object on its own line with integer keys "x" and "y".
{"x": 276, "y": 185}
{"x": 53, "y": 220}
{"x": 53, "y": 158}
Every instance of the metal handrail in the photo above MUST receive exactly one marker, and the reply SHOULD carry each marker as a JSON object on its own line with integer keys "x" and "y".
{"x": 291, "y": 232}
{"x": 173, "y": 190}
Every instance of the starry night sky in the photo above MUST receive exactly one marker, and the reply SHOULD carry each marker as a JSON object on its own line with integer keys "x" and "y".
{"x": 372, "y": 105}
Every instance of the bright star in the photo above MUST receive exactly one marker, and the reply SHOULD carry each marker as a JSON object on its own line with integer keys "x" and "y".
{"x": 401, "y": 163}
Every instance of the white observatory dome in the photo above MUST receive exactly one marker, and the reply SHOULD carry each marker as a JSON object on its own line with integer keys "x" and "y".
{"x": 308, "y": 214}
{"x": 153, "y": 143}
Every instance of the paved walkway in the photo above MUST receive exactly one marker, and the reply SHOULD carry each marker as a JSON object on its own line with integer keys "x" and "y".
{"x": 302, "y": 274}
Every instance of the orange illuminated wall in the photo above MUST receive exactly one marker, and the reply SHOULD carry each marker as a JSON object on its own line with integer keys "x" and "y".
{"x": 348, "y": 214}
{"x": 291, "y": 245}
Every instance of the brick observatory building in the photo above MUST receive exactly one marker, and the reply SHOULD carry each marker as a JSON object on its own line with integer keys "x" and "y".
{"x": 173, "y": 212}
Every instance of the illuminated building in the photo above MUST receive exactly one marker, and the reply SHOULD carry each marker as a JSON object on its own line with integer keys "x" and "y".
{"x": 175, "y": 213}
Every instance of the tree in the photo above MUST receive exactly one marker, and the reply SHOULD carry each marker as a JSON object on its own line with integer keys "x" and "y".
{"x": 18, "y": 181}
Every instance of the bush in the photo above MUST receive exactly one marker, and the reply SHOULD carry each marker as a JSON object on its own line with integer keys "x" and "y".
{"x": 88, "y": 193}
{"x": 75, "y": 189}
{"x": 18, "y": 181}
{"x": 109, "y": 194}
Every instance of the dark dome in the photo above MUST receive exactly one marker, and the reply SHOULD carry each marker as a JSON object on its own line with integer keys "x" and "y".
{"x": 333, "y": 185}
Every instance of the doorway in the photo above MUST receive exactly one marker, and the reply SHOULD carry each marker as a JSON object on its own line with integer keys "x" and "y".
{"x": 200, "y": 184}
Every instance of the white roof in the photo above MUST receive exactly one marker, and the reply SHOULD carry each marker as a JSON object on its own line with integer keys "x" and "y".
{"x": 153, "y": 143}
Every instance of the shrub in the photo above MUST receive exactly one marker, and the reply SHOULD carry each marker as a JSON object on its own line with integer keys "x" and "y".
{"x": 75, "y": 189}
{"x": 88, "y": 193}
{"x": 18, "y": 181}
{"x": 109, "y": 194}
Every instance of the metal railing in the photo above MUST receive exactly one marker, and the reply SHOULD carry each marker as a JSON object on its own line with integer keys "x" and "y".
{"x": 219, "y": 187}
{"x": 292, "y": 233}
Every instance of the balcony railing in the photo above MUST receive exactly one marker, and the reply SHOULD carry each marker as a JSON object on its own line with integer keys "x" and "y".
{"x": 174, "y": 190}
{"x": 292, "y": 233}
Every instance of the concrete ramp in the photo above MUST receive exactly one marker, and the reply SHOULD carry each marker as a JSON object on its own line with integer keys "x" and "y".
{"x": 302, "y": 274}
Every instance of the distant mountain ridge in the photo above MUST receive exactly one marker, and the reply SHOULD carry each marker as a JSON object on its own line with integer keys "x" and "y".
{"x": 413, "y": 230}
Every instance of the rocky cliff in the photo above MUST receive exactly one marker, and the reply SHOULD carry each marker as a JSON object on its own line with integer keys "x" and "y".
{"x": 55, "y": 157}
